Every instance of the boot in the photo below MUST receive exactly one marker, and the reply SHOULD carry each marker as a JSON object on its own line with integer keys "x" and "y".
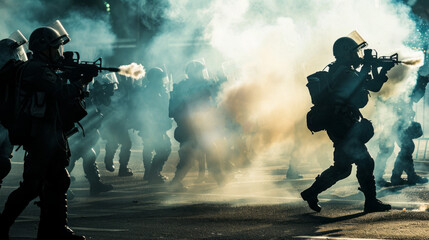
{"x": 158, "y": 179}
{"x": 396, "y": 180}
{"x": 124, "y": 171}
{"x": 311, "y": 198}
{"x": 98, "y": 187}
{"x": 412, "y": 180}
{"x": 375, "y": 205}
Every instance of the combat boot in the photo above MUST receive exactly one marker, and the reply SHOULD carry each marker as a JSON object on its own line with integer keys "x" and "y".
{"x": 375, "y": 205}
{"x": 416, "y": 179}
{"x": 157, "y": 179}
{"x": 99, "y": 187}
{"x": 125, "y": 171}
{"x": 397, "y": 180}
{"x": 311, "y": 198}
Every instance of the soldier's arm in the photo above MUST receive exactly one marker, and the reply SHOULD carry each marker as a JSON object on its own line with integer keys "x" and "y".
{"x": 53, "y": 85}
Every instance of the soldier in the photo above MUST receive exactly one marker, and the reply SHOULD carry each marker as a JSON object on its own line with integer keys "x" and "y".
{"x": 346, "y": 126}
{"x": 10, "y": 48}
{"x": 41, "y": 129}
{"x": 404, "y": 130}
{"x": 86, "y": 147}
{"x": 152, "y": 110}
{"x": 191, "y": 102}
{"x": 115, "y": 129}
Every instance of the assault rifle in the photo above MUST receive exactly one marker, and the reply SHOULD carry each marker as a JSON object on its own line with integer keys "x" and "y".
{"x": 373, "y": 60}
{"x": 74, "y": 69}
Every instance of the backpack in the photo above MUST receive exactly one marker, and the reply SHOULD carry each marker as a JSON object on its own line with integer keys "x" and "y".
{"x": 9, "y": 84}
{"x": 320, "y": 88}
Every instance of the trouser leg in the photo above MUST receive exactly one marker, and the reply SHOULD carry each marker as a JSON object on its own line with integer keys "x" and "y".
{"x": 162, "y": 152}
{"x": 186, "y": 157}
{"x": 385, "y": 151}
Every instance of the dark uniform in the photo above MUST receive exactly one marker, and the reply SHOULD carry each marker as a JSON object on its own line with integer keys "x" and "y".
{"x": 190, "y": 102}
{"x": 348, "y": 130}
{"x": 87, "y": 148}
{"x": 43, "y": 98}
{"x": 405, "y": 130}
{"x": 6, "y": 149}
{"x": 153, "y": 124}
{"x": 115, "y": 129}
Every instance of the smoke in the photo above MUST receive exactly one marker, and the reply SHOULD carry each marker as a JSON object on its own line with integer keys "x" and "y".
{"x": 133, "y": 70}
{"x": 88, "y": 26}
{"x": 275, "y": 46}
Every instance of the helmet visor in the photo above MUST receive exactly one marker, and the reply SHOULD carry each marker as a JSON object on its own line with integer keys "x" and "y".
{"x": 358, "y": 39}
{"x": 20, "y": 54}
{"x": 61, "y": 30}
{"x": 18, "y": 37}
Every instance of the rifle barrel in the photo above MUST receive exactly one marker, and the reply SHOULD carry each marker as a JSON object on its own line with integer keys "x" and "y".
{"x": 110, "y": 69}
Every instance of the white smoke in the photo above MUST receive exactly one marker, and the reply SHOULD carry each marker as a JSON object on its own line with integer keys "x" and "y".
{"x": 133, "y": 70}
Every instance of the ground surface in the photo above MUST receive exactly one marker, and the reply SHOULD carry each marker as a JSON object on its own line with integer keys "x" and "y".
{"x": 254, "y": 205}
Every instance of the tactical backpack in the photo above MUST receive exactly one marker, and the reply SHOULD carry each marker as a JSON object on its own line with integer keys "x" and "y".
{"x": 11, "y": 109}
{"x": 9, "y": 84}
{"x": 320, "y": 87}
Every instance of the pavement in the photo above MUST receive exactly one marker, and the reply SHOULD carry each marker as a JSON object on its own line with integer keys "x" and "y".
{"x": 255, "y": 204}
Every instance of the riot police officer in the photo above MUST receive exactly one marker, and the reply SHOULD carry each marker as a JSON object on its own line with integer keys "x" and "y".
{"x": 153, "y": 123}
{"x": 42, "y": 133}
{"x": 190, "y": 102}
{"x": 86, "y": 146}
{"x": 403, "y": 131}
{"x": 347, "y": 128}
{"x": 10, "y": 48}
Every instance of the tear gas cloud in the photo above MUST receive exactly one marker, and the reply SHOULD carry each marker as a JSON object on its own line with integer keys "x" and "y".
{"x": 272, "y": 45}
{"x": 275, "y": 45}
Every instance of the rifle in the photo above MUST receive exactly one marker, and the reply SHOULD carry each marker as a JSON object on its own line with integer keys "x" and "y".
{"x": 74, "y": 69}
{"x": 383, "y": 61}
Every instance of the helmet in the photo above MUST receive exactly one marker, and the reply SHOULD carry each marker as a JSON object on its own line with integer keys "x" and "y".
{"x": 10, "y": 49}
{"x": 196, "y": 70}
{"x": 344, "y": 47}
{"x": 155, "y": 73}
{"x": 43, "y": 38}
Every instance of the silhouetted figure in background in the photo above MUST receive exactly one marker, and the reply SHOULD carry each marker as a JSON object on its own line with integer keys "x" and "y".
{"x": 87, "y": 147}
{"x": 153, "y": 123}
{"x": 191, "y": 103}
{"x": 404, "y": 130}
{"x": 10, "y": 49}
{"x": 115, "y": 128}
{"x": 345, "y": 125}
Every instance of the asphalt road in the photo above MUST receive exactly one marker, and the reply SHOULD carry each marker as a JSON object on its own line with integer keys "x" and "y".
{"x": 255, "y": 204}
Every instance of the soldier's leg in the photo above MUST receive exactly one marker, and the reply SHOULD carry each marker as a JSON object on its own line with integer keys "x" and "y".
{"x": 404, "y": 161}
{"x": 364, "y": 174}
{"x": 214, "y": 165}
{"x": 53, "y": 205}
{"x": 386, "y": 147}
{"x": 111, "y": 147}
{"x": 186, "y": 157}
{"x": 148, "y": 149}
{"x": 407, "y": 159}
{"x": 124, "y": 155}
{"x": 29, "y": 188}
{"x": 341, "y": 169}
{"x": 162, "y": 152}
{"x": 92, "y": 174}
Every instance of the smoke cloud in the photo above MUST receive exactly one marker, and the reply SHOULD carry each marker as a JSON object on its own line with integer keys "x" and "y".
{"x": 133, "y": 70}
